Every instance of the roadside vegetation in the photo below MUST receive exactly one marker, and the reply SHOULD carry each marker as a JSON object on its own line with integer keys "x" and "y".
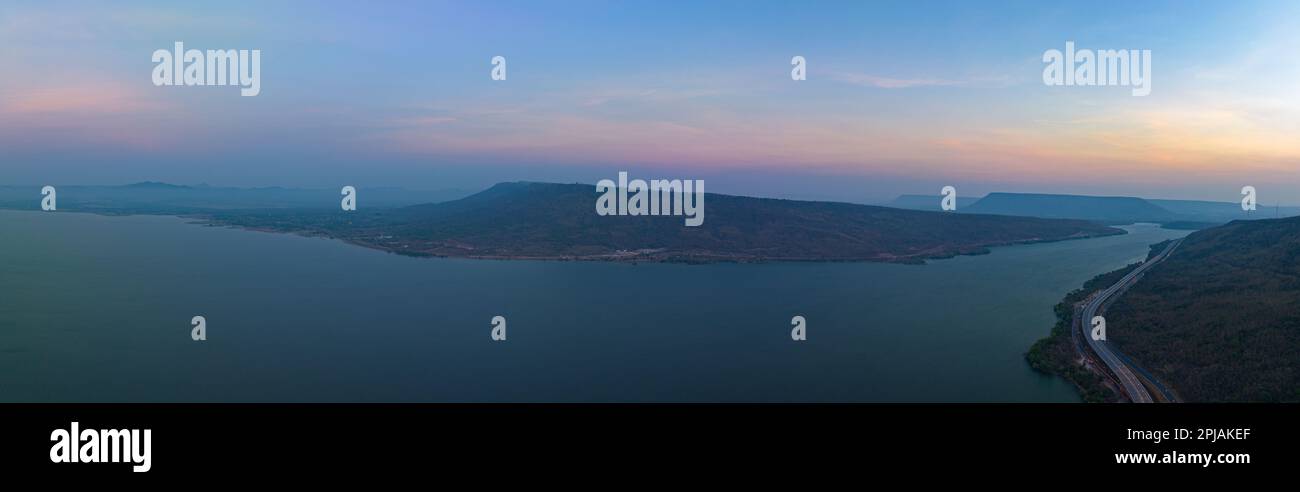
{"x": 1057, "y": 354}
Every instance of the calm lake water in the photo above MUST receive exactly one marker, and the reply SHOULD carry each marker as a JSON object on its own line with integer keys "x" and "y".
{"x": 96, "y": 308}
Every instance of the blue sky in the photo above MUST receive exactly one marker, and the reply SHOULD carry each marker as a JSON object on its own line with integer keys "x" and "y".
{"x": 901, "y": 97}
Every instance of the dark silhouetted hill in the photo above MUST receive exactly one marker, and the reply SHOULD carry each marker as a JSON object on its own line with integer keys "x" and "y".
{"x": 162, "y": 198}
{"x": 927, "y": 202}
{"x": 1221, "y": 212}
{"x": 1104, "y": 209}
{"x": 559, "y": 221}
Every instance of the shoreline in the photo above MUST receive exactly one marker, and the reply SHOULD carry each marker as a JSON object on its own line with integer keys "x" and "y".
{"x": 658, "y": 255}
{"x": 648, "y": 255}
{"x": 1058, "y": 354}
{"x": 1062, "y": 354}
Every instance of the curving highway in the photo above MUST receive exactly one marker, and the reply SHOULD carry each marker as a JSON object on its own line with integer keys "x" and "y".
{"x": 1132, "y": 385}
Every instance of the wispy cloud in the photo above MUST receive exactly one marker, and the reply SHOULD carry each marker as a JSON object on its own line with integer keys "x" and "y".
{"x": 655, "y": 95}
{"x": 40, "y": 25}
{"x": 78, "y": 99}
{"x": 893, "y": 83}
{"x": 882, "y": 82}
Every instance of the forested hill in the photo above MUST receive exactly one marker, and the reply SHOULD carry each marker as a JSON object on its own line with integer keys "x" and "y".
{"x": 559, "y": 221}
{"x": 1220, "y": 319}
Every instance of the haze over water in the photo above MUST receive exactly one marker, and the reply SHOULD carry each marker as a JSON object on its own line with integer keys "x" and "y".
{"x": 97, "y": 308}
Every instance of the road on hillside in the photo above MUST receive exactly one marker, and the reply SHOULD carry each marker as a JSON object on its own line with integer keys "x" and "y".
{"x": 1132, "y": 385}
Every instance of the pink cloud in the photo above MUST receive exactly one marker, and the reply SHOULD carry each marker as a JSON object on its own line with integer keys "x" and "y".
{"x": 85, "y": 99}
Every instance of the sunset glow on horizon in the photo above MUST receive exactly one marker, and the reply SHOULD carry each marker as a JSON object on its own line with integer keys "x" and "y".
{"x": 896, "y": 100}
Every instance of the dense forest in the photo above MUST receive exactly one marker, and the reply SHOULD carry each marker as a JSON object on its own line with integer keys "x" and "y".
{"x": 1220, "y": 319}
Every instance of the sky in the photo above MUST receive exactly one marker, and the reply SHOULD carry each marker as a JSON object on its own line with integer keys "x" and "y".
{"x": 900, "y": 97}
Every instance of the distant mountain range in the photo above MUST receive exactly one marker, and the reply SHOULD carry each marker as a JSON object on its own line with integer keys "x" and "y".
{"x": 559, "y": 221}
{"x": 1113, "y": 210}
{"x": 927, "y": 202}
{"x": 161, "y": 198}
{"x": 1104, "y": 209}
{"x": 1223, "y": 211}
{"x": 151, "y": 197}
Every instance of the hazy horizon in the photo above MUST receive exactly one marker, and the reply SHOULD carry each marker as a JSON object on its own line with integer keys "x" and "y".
{"x": 781, "y": 195}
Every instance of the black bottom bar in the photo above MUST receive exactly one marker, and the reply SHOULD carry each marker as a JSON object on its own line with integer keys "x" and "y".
{"x": 305, "y": 440}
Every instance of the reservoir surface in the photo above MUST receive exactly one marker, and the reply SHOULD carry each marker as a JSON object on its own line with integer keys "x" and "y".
{"x": 98, "y": 308}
